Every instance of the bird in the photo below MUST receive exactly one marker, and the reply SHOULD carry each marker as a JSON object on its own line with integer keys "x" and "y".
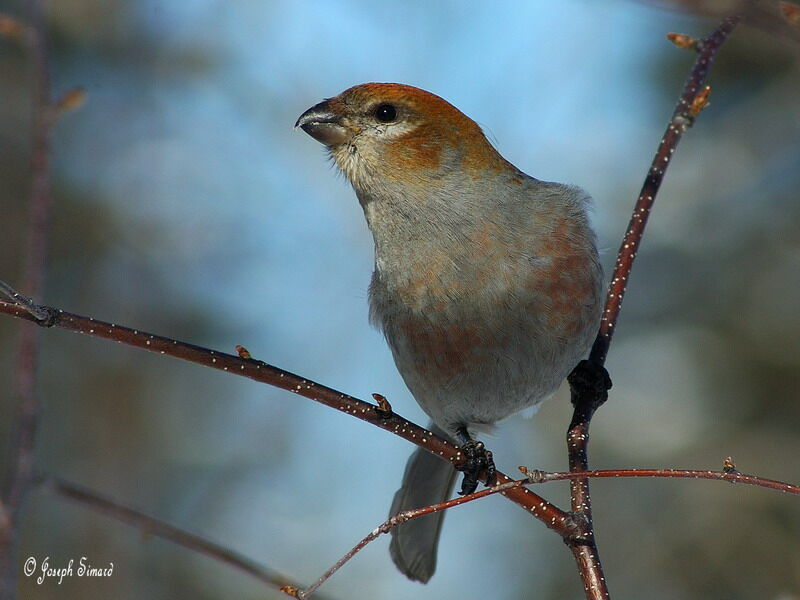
{"x": 487, "y": 284}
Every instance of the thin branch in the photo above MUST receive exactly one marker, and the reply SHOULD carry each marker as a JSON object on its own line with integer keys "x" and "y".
{"x": 589, "y": 382}
{"x": 683, "y": 117}
{"x": 20, "y": 469}
{"x": 549, "y": 514}
{"x": 589, "y": 385}
{"x": 393, "y": 522}
{"x": 728, "y": 475}
{"x": 151, "y": 526}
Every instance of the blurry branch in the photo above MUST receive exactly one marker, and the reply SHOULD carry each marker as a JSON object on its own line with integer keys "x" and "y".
{"x": 19, "y": 474}
{"x": 589, "y": 382}
{"x": 764, "y": 15}
{"x": 20, "y": 468}
{"x": 151, "y": 526}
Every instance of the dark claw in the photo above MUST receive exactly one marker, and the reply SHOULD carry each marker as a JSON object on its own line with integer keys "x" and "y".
{"x": 491, "y": 471}
{"x": 469, "y": 484}
{"x": 479, "y": 459}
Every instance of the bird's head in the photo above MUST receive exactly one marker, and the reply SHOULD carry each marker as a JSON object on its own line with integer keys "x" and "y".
{"x": 392, "y": 134}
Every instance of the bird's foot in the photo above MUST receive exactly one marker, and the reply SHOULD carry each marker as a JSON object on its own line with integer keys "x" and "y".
{"x": 478, "y": 460}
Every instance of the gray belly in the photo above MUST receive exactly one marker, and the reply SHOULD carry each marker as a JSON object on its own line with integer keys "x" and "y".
{"x": 468, "y": 368}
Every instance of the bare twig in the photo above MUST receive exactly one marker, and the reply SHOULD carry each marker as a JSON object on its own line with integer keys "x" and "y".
{"x": 682, "y": 118}
{"x": 731, "y": 476}
{"x": 40, "y": 313}
{"x": 393, "y": 522}
{"x": 589, "y": 382}
{"x": 20, "y": 469}
{"x": 152, "y": 526}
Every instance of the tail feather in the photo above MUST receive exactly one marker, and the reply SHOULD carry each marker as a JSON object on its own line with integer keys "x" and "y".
{"x": 427, "y": 480}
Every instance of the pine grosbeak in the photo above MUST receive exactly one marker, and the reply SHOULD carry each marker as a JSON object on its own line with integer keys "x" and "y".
{"x": 487, "y": 284}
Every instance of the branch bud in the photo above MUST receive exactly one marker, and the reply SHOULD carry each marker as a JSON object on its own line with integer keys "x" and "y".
{"x": 683, "y": 41}
{"x": 700, "y": 101}
{"x": 383, "y": 404}
{"x": 71, "y": 100}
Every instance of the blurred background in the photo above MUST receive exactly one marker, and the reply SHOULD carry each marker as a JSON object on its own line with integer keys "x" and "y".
{"x": 185, "y": 204}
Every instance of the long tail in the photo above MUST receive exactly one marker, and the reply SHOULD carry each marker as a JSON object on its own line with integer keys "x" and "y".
{"x": 427, "y": 480}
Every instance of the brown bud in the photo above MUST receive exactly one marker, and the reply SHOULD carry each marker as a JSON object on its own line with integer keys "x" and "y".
{"x": 383, "y": 404}
{"x": 71, "y": 100}
{"x": 700, "y": 101}
{"x": 683, "y": 41}
{"x": 728, "y": 466}
{"x": 291, "y": 590}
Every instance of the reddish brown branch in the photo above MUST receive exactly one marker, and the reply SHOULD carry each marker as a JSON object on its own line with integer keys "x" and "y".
{"x": 589, "y": 381}
{"x": 682, "y": 118}
{"x": 393, "y": 522}
{"x": 731, "y": 476}
{"x": 589, "y": 385}
{"x": 533, "y": 477}
{"x": 549, "y": 514}
{"x": 151, "y": 526}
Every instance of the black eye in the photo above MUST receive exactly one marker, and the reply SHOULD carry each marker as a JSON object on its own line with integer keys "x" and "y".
{"x": 386, "y": 113}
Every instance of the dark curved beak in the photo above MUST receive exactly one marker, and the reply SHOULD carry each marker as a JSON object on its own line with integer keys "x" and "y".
{"x": 321, "y": 123}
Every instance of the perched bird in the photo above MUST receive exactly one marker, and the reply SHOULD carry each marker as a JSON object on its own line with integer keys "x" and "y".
{"x": 487, "y": 284}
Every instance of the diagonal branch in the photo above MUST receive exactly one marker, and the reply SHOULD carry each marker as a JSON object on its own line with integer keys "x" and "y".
{"x": 396, "y": 520}
{"x": 380, "y": 416}
{"x": 152, "y": 526}
{"x": 692, "y": 101}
